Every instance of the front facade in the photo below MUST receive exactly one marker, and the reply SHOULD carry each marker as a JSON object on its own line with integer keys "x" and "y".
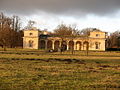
{"x": 35, "y": 39}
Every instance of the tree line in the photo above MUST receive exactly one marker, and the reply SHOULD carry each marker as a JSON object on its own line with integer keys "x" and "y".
{"x": 113, "y": 41}
{"x": 10, "y": 31}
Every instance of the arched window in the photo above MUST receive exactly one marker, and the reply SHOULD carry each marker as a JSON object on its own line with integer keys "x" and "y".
{"x": 30, "y": 43}
{"x": 97, "y": 45}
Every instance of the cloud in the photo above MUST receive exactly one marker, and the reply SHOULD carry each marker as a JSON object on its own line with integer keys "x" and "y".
{"x": 61, "y": 7}
{"x": 102, "y": 14}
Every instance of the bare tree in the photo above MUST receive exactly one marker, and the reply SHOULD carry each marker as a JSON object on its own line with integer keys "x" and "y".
{"x": 113, "y": 41}
{"x": 30, "y": 24}
{"x": 15, "y": 23}
{"x": 9, "y": 29}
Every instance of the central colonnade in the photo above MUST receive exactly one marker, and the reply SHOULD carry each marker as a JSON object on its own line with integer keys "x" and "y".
{"x": 66, "y": 44}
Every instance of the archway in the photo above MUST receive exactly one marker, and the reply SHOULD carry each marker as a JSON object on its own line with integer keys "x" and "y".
{"x": 42, "y": 44}
{"x": 78, "y": 45}
{"x": 63, "y": 45}
{"x": 71, "y": 45}
{"x": 49, "y": 44}
{"x": 86, "y": 45}
{"x": 56, "y": 45}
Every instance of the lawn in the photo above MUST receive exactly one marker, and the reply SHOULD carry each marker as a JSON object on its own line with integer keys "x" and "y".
{"x": 36, "y": 69}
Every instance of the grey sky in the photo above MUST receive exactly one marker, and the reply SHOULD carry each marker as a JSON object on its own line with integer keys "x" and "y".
{"x": 102, "y": 14}
{"x": 63, "y": 7}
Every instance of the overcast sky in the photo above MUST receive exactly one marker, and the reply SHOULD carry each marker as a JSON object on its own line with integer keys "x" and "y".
{"x": 102, "y": 14}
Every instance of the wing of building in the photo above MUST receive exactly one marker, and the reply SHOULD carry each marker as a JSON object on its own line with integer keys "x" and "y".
{"x": 36, "y": 39}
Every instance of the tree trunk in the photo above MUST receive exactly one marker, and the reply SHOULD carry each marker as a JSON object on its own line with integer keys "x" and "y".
{"x": 4, "y": 48}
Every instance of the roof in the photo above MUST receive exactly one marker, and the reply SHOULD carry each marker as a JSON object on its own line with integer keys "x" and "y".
{"x": 96, "y": 30}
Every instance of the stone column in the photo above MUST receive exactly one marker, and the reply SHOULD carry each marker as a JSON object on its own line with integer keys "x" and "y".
{"x": 46, "y": 44}
{"x": 99, "y": 46}
{"x": 53, "y": 44}
{"x": 60, "y": 44}
{"x": 74, "y": 45}
{"x": 82, "y": 46}
{"x": 67, "y": 45}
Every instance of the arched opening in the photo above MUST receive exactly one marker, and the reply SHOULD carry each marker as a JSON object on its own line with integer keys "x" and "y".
{"x": 71, "y": 45}
{"x": 56, "y": 45}
{"x": 42, "y": 44}
{"x": 78, "y": 45}
{"x": 86, "y": 45}
{"x": 63, "y": 46}
{"x": 31, "y": 43}
{"x": 49, "y": 44}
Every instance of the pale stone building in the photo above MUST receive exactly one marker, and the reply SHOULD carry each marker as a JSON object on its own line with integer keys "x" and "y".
{"x": 35, "y": 39}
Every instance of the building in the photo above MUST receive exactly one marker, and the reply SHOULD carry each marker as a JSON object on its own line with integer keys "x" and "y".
{"x": 35, "y": 39}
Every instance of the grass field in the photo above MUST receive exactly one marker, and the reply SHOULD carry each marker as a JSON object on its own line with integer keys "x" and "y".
{"x": 22, "y": 69}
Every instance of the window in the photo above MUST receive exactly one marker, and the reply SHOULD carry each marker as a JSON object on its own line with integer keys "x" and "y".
{"x": 97, "y": 45}
{"x": 97, "y": 35}
{"x": 30, "y": 43}
{"x": 31, "y": 34}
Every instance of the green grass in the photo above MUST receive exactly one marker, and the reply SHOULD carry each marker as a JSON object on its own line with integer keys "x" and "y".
{"x": 35, "y": 69}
